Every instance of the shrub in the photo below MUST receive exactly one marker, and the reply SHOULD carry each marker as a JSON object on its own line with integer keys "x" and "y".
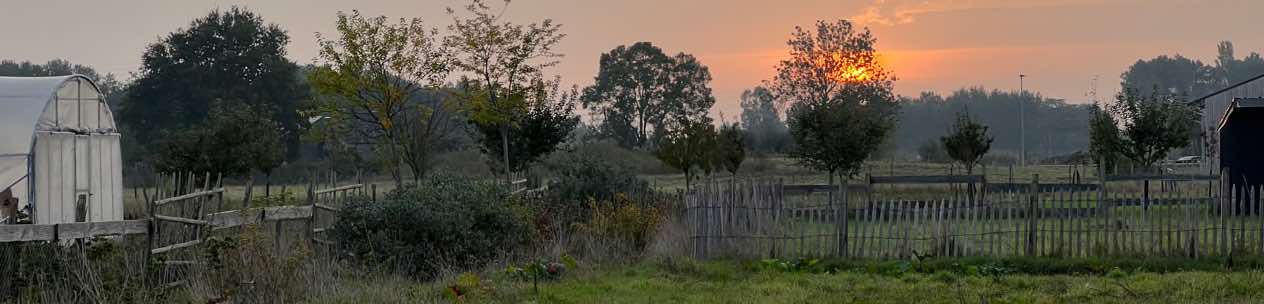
{"x": 619, "y": 227}
{"x": 445, "y": 222}
{"x": 584, "y": 175}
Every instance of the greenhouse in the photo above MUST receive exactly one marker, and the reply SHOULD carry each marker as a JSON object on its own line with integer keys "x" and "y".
{"x": 59, "y": 150}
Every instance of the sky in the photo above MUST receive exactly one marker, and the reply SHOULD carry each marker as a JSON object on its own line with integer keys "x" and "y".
{"x": 930, "y": 45}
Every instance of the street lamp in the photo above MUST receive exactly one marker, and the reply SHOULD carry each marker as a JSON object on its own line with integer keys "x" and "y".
{"x": 1022, "y": 122}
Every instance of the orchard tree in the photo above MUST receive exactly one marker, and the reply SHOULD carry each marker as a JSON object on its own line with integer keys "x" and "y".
{"x": 967, "y": 142}
{"x": 548, "y": 122}
{"x": 640, "y": 91}
{"x": 380, "y": 82}
{"x": 1104, "y": 144}
{"x": 1150, "y": 125}
{"x": 225, "y": 55}
{"x": 841, "y": 104}
{"x": 730, "y": 148}
{"x": 689, "y": 147}
{"x": 503, "y": 64}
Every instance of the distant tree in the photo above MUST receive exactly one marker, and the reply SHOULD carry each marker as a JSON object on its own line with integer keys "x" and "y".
{"x": 1151, "y": 125}
{"x": 932, "y": 151}
{"x": 639, "y": 92}
{"x": 504, "y": 64}
{"x": 765, "y": 131}
{"x": 1171, "y": 75}
{"x": 1231, "y": 70}
{"x": 841, "y": 101}
{"x": 1060, "y": 126}
{"x": 730, "y": 148}
{"x": 234, "y": 141}
{"x": 379, "y": 83}
{"x": 967, "y": 142}
{"x": 225, "y": 55}
{"x": 549, "y": 121}
{"x": 689, "y": 147}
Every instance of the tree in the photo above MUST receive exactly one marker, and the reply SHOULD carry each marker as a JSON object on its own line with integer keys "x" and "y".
{"x": 233, "y": 141}
{"x": 504, "y": 62}
{"x": 547, "y": 124}
{"x": 1172, "y": 75}
{"x": 688, "y": 147}
{"x": 761, "y": 118}
{"x": 1150, "y": 125}
{"x": 968, "y": 141}
{"x": 381, "y": 82}
{"x": 1105, "y": 138}
{"x": 225, "y": 55}
{"x": 640, "y": 92}
{"x": 730, "y": 148}
{"x": 841, "y": 100}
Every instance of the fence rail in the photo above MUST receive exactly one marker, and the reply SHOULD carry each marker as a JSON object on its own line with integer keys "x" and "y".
{"x": 760, "y": 218}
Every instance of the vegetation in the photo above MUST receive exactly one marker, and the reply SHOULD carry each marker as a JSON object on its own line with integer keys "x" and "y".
{"x": 765, "y": 131}
{"x": 842, "y": 106}
{"x": 690, "y": 148}
{"x": 378, "y": 85}
{"x": 730, "y": 148}
{"x": 504, "y": 86}
{"x": 234, "y": 141}
{"x": 967, "y": 142}
{"x": 1143, "y": 128}
{"x": 446, "y": 222}
{"x": 229, "y": 57}
{"x": 1061, "y": 126}
{"x": 641, "y": 92}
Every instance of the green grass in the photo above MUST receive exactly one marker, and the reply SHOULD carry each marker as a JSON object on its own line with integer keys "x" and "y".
{"x": 683, "y": 281}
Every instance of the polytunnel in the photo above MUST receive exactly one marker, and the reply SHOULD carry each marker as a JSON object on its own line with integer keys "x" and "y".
{"x": 59, "y": 149}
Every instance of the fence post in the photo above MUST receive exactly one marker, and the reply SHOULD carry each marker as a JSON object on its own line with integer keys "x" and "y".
{"x": 374, "y": 188}
{"x": 311, "y": 221}
{"x": 1033, "y": 198}
{"x": 840, "y": 225}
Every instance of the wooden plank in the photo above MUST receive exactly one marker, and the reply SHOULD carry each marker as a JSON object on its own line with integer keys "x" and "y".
{"x": 94, "y": 229}
{"x": 926, "y": 179}
{"x": 179, "y": 220}
{"x": 343, "y": 188}
{"x": 1162, "y": 177}
{"x": 1011, "y": 187}
{"x": 287, "y": 213}
{"x": 813, "y": 188}
{"x": 176, "y": 246}
{"x": 189, "y": 196}
{"x": 26, "y": 233}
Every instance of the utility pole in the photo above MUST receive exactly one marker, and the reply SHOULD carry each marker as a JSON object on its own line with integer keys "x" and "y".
{"x": 1022, "y": 122}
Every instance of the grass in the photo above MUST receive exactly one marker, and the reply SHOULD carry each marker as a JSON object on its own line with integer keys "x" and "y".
{"x": 684, "y": 281}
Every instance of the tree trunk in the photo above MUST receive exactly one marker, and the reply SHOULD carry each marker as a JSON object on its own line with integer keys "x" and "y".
{"x": 504, "y": 141}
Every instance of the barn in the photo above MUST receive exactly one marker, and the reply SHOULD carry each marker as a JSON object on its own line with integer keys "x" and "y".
{"x": 1215, "y": 105}
{"x": 1241, "y": 144}
{"x": 59, "y": 149}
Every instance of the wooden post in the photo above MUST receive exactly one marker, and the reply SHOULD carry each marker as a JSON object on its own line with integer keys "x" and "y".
{"x": 374, "y": 197}
{"x": 1033, "y": 198}
{"x": 311, "y": 221}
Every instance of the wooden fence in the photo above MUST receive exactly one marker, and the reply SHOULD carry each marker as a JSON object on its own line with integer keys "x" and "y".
{"x": 186, "y": 210}
{"x": 1120, "y": 216}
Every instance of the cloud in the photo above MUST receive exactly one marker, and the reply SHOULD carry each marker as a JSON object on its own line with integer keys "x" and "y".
{"x": 897, "y": 12}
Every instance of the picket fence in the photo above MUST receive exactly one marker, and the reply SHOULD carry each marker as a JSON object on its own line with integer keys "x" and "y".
{"x": 1189, "y": 216}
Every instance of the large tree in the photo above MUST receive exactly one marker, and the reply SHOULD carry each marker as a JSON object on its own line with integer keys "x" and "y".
{"x": 639, "y": 92}
{"x": 840, "y": 95}
{"x": 380, "y": 82}
{"x": 761, "y": 118}
{"x": 225, "y": 55}
{"x": 503, "y": 65}
{"x": 233, "y": 141}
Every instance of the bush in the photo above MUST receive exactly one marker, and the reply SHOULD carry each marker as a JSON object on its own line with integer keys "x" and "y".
{"x": 619, "y": 227}
{"x": 444, "y": 223}
{"x": 587, "y": 175}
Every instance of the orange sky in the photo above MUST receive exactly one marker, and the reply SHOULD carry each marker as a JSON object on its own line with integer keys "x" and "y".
{"x": 936, "y": 45}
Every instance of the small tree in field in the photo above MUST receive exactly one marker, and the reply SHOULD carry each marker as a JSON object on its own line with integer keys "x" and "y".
{"x": 689, "y": 148}
{"x": 1150, "y": 126}
{"x": 840, "y": 95}
{"x": 968, "y": 141}
{"x": 730, "y": 149}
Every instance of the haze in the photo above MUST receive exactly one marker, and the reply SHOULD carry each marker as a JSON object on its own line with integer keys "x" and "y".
{"x": 932, "y": 45}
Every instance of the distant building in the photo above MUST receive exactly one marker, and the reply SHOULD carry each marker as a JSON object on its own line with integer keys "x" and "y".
{"x": 1241, "y": 134}
{"x": 1215, "y": 105}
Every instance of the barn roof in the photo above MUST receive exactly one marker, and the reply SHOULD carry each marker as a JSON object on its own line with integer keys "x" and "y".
{"x": 1241, "y": 103}
{"x": 29, "y": 104}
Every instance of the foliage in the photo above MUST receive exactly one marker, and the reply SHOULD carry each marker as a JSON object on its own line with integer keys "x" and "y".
{"x": 933, "y": 151}
{"x": 761, "y": 119}
{"x": 1060, "y": 126}
{"x": 640, "y": 91}
{"x": 585, "y": 175}
{"x": 446, "y": 222}
{"x": 504, "y": 64}
{"x": 379, "y": 84}
{"x": 548, "y": 122}
{"x": 280, "y": 198}
{"x": 730, "y": 148}
{"x": 689, "y": 148}
{"x": 235, "y": 140}
{"x": 1105, "y": 138}
{"x": 841, "y": 101}
{"x": 622, "y": 224}
{"x": 968, "y": 141}
{"x": 229, "y": 55}
{"x": 1149, "y": 126}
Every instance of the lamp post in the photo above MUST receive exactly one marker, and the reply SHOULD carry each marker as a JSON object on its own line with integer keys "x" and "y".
{"x": 1022, "y": 122}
